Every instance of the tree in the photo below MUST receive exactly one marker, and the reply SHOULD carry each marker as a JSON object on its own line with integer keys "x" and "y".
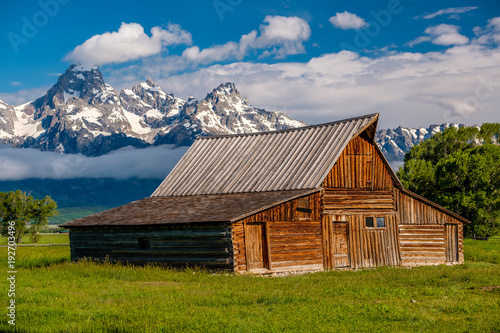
{"x": 29, "y": 215}
{"x": 460, "y": 170}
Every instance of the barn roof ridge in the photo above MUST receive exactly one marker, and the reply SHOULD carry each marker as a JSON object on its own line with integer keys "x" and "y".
{"x": 297, "y": 158}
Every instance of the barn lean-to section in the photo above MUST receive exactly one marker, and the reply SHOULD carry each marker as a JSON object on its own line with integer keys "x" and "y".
{"x": 313, "y": 198}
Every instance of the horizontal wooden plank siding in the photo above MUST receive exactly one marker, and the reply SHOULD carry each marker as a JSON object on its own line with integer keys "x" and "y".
{"x": 359, "y": 201}
{"x": 295, "y": 244}
{"x": 423, "y": 235}
{"x": 422, "y": 244}
{"x": 207, "y": 245}
{"x": 293, "y": 236}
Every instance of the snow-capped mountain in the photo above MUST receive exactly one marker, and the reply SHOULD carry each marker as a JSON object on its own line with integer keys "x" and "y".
{"x": 83, "y": 114}
{"x": 395, "y": 143}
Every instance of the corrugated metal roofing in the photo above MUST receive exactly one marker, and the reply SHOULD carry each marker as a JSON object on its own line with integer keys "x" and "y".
{"x": 259, "y": 162}
{"x": 188, "y": 209}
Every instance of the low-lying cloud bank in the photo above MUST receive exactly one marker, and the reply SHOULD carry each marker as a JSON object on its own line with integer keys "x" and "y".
{"x": 153, "y": 162}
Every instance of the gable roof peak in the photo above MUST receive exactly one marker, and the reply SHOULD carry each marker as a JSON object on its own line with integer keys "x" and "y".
{"x": 295, "y": 159}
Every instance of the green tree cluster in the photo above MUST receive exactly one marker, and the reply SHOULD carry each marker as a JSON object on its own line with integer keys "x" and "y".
{"x": 460, "y": 170}
{"x": 30, "y": 215}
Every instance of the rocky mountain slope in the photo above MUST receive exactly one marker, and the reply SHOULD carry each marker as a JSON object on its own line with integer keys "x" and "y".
{"x": 394, "y": 143}
{"x": 83, "y": 114}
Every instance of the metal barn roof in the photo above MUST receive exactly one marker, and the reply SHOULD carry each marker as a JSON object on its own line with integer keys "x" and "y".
{"x": 188, "y": 209}
{"x": 291, "y": 159}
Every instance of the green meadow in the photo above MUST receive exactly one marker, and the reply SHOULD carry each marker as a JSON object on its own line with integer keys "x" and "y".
{"x": 54, "y": 294}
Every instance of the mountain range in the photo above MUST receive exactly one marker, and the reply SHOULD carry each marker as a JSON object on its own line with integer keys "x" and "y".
{"x": 395, "y": 143}
{"x": 83, "y": 114}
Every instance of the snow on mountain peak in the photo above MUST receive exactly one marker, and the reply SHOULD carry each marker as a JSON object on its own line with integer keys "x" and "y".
{"x": 81, "y": 67}
{"x": 83, "y": 114}
{"x": 396, "y": 142}
{"x": 227, "y": 88}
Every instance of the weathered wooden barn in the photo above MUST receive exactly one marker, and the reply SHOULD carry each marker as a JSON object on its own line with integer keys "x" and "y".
{"x": 311, "y": 198}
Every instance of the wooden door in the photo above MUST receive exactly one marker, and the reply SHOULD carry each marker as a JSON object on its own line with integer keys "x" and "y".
{"x": 340, "y": 249}
{"x": 255, "y": 240}
{"x": 451, "y": 232}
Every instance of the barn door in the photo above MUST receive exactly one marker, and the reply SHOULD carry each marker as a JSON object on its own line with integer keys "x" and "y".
{"x": 256, "y": 246}
{"x": 451, "y": 231}
{"x": 340, "y": 250}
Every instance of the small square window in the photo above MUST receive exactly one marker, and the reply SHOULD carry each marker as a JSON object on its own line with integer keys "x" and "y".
{"x": 143, "y": 243}
{"x": 369, "y": 222}
{"x": 380, "y": 222}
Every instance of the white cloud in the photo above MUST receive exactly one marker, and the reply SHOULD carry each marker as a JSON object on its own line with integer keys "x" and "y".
{"x": 24, "y": 95}
{"x": 413, "y": 89}
{"x": 279, "y": 37}
{"x": 419, "y": 40}
{"x": 285, "y": 33}
{"x": 494, "y": 24}
{"x": 489, "y": 34}
{"x": 128, "y": 43}
{"x": 442, "y": 34}
{"x": 453, "y": 11}
{"x": 347, "y": 21}
{"x": 153, "y": 162}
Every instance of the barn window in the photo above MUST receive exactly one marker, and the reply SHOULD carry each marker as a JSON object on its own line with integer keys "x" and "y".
{"x": 374, "y": 222}
{"x": 303, "y": 208}
{"x": 143, "y": 243}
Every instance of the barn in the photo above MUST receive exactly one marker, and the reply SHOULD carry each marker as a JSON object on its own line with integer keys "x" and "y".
{"x": 319, "y": 197}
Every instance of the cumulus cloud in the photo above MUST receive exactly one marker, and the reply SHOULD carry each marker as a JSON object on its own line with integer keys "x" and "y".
{"x": 278, "y": 36}
{"x": 452, "y": 11}
{"x": 24, "y": 95}
{"x": 442, "y": 34}
{"x": 412, "y": 89}
{"x": 347, "y": 21}
{"x": 128, "y": 43}
{"x": 489, "y": 34}
{"x": 153, "y": 162}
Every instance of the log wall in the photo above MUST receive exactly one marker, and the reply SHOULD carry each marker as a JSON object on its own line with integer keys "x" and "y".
{"x": 293, "y": 237}
{"x": 428, "y": 235}
{"x": 194, "y": 244}
{"x": 360, "y": 201}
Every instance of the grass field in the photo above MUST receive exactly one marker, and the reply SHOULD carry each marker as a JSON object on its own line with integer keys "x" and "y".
{"x": 56, "y": 295}
{"x": 44, "y": 239}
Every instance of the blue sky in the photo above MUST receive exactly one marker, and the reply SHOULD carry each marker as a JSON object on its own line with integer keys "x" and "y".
{"x": 416, "y": 62}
